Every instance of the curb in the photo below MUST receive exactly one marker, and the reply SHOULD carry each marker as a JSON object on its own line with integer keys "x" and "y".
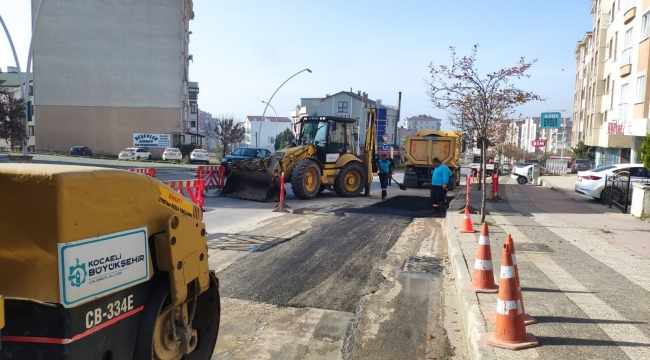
{"x": 473, "y": 321}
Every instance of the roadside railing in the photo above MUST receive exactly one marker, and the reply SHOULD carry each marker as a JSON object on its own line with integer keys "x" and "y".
{"x": 618, "y": 190}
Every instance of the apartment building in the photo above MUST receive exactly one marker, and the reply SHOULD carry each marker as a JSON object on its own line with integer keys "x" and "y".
{"x": 11, "y": 81}
{"x": 611, "y": 93}
{"x": 422, "y": 122}
{"x": 104, "y": 71}
{"x": 261, "y": 132}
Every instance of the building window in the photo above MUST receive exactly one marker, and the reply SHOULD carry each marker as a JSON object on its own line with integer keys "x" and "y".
{"x": 607, "y": 85}
{"x": 356, "y": 120}
{"x": 622, "y": 105}
{"x": 181, "y": 139}
{"x": 193, "y": 108}
{"x": 640, "y": 89}
{"x": 193, "y": 139}
{"x": 611, "y": 101}
{"x": 611, "y": 48}
{"x": 192, "y": 124}
{"x": 627, "y": 53}
{"x": 343, "y": 106}
{"x": 615, "y": 45}
{"x": 31, "y": 90}
{"x": 628, "y": 5}
{"x": 613, "y": 9}
{"x": 271, "y": 140}
{"x": 644, "y": 26}
{"x": 31, "y": 131}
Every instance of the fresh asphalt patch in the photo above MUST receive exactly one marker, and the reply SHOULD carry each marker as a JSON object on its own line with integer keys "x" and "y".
{"x": 333, "y": 264}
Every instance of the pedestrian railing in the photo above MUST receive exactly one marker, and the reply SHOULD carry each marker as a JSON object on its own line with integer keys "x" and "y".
{"x": 556, "y": 167}
{"x": 618, "y": 190}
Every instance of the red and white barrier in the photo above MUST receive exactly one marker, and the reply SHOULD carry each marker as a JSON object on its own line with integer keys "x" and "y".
{"x": 213, "y": 176}
{"x": 191, "y": 189}
{"x": 151, "y": 172}
{"x": 282, "y": 207}
{"x": 495, "y": 186}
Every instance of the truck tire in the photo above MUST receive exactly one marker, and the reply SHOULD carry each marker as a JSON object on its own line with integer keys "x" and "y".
{"x": 306, "y": 179}
{"x": 411, "y": 181}
{"x": 451, "y": 184}
{"x": 350, "y": 180}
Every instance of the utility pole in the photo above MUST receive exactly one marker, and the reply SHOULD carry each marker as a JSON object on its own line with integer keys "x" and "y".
{"x": 563, "y": 133}
{"x": 399, "y": 108}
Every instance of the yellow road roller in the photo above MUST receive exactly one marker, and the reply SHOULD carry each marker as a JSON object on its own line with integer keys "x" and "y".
{"x": 102, "y": 264}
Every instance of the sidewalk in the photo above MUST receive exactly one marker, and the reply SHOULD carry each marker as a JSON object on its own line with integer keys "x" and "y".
{"x": 585, "y": 275}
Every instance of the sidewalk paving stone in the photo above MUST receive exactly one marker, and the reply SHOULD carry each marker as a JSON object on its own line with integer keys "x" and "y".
{"x": 585, "y": 275}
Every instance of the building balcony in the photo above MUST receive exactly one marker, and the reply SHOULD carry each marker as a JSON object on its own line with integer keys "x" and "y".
{"x": 629, "y": 15}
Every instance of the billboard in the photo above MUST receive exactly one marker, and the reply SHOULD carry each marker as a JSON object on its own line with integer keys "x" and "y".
{"x": 152, "y": 140}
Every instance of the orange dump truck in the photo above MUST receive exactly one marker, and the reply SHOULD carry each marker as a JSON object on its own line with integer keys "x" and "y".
{"x": 420, "y": 150}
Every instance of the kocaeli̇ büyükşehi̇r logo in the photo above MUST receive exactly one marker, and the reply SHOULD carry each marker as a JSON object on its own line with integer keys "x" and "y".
{"x": 77, "y": 274}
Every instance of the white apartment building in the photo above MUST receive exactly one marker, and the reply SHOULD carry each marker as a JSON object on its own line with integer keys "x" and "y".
{"x": 262, "y": 134}
{"x": 611, "y": 96}
{"x": 529, "y": 132}
{"x": 104, "y": 71}
{"x": 422, "y": 122}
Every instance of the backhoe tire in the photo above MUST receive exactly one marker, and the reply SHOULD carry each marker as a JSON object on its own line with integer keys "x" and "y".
{"x": 306, "y": 179}
{"x": 350, "y": 180}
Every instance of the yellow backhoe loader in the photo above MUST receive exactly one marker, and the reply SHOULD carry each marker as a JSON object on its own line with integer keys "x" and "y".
{"x": 323, "y": 159}
{"x": 102, "y": 264}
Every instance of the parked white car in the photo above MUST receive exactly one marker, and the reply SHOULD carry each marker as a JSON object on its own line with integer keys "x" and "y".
{"x": 592, "y": 182}
{"x": 172, "y": 154}
{"x": 134, "y": 154}
{"x": 199, "y": 155}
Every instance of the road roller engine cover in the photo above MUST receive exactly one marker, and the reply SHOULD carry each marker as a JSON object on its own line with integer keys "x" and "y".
{"x": 102, "y": 264}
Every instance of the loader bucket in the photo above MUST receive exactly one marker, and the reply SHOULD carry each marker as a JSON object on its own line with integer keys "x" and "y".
{"x": 252, "y": 184}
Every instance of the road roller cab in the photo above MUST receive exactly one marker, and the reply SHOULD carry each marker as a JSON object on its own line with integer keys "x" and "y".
{"x": 102, "y": 264}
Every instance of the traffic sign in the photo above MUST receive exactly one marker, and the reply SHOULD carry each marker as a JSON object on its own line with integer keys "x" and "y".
{"x": 385, "y": 146}
{"x": 551, "y": 120}
{"x": 539, "y": 143}
{"x": 385, "y": 138}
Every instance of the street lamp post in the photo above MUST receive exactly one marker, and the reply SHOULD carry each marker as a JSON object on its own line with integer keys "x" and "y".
{"x": 276, "y": 121}
{"x": 276, "y": 90}
{"x": 24, "y": 88}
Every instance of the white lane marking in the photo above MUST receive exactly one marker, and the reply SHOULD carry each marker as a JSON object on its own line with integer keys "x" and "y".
{"x": 595, "y": 308}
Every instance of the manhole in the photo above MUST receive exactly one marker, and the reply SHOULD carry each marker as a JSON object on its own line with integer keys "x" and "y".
{"x": 533, "y": 247}
{"x": 425, "y": 264}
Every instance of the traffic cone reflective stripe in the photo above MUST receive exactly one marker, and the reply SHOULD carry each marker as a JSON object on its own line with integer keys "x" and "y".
{"x": 528, "y": 320}
{"x": 509, "y": 330}
{"x": 483, "y": 275}
{"x": 467, "y": 223}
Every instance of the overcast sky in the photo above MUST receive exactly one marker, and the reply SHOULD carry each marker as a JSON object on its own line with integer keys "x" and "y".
{"x": 243, "y": 50}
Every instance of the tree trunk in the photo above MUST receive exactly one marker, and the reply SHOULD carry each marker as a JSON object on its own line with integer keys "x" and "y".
{"x": 481, "y": 178}
{"x": 224, "y": 146}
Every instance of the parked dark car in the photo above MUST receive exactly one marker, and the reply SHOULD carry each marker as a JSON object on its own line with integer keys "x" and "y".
{"x": 245, "y": 154}
{"x": 80, "y": 151}
{"x": 580, "y": 165}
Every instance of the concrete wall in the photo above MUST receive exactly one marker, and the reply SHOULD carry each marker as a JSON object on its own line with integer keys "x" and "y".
{"x": 106, "y": 69}
{"x": 69, "y": 126}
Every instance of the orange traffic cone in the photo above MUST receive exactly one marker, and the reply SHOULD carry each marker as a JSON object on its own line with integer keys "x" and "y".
{"x": 509, "y": 330}
{"x": 467, "y": 223}
{"x": 528, "y": 320}
{"x": 483, "y": 275}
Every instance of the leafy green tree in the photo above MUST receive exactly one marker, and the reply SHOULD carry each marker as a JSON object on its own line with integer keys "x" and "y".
{"x": 283, "y": 139}
{"x": 645, "y": 152}
{"x": 582, "y": 151}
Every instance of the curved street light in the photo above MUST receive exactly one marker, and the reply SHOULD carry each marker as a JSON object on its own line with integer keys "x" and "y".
{"x": 276, "y": 118}
{"x": 25, "y": 86}
{"x": 276, "y": 90}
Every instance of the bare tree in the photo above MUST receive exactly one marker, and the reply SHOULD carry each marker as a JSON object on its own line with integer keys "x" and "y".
{"x": 477, "y": 104}
{"x": 226, "y": 131}
{"x": 12, "y": 114}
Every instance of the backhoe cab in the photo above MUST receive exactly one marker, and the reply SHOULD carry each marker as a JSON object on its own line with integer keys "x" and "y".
{"x": 323, "y": 159}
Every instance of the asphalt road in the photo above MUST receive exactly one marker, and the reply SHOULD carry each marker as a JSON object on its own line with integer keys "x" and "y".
{"x": 338, "y": 278}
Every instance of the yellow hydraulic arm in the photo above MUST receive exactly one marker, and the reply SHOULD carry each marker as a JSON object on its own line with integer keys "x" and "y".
{"x": 370, "y": 146}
